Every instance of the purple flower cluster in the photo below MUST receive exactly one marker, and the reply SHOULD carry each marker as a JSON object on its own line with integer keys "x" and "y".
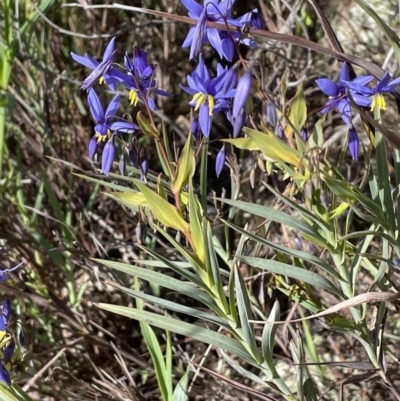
{"x": 137, "y": 78}
{"x": 339, "y": 98}
{"x": 224, "y": 93}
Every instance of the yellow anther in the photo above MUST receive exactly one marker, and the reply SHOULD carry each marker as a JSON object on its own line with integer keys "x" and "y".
{"x": 211, "y": 104}
{"x": 200, "y": 98}
{"x": 133, "y": 97}
{"x": 378, "y": 101}
{"x": 102, "y": 80}
{"x": 103, "y": 138}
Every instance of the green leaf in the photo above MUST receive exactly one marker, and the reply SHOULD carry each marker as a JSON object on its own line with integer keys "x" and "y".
{"x": 297, "y": 111}
{"x": 130, "y": 198}
{"x": 195, "y": 225}
{"x": 269, "y": 334}
{"x": 180, "y": 392}
{"x": 163, "y": 280}
{"x": 158, "y": 359}
{"x": 288, "y": 251}
{"x": 274, "y": 148}
{"x": 243, "y": 143}
{"x": 173, "y": 306}
{"x": 185, "y": 329}
{"x": 146, "y": 126}
{"x": 163, "y": 211}
{"x": 185, "y": 167}
{"x": 244, "y": 308}
{"x": 271, "y": 214}
{"x": 294, "y": 272}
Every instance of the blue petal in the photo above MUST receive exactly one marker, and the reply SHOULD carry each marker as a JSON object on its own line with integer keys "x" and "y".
{"x": 87, "y": 61}
{"x": 198, "y": 36}
{"x": 353, "y": 143}
{"x": 97, "y": 73}
{"x": 228, "y": 49}
{"x": 215, "y": 40}
{"x": 111, "y": 82}
{"x": 112, "y": 108}
{"x": 160, "y": 92}
{"x": 95, "y": 106}
{"x": 189, "y": 90}
{"x": 124, "y": 127}
{"x": 344, "y": 73}
{"x": 108, "y": 156}
{"x": 93, "y": 143}
{"x": 193, "y": 7}
{"x": 205, "y": 119}
{"x": 109, "y": 52}
{"x": 140, "y": 60}
{"x": 202, "y": 72}
{"x": 189, "y": 38}
{"x": 238, "y": 123}
{"x": 4, "y": 375}
{"x": 328, "y": 86}
{"x": 392, "y": 85}
{"x": 383, "y": 83}
{"x": 361, "y": 100}
{"x": 242, "y": 93}
{"x": 363, "y": 79}
{"x": 364, "y": 90}
{"x": 345, "y": 110}
{"x": 220, "y": 161}
{"x": 101, "y": 129}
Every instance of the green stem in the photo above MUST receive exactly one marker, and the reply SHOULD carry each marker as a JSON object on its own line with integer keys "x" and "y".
{"x": 203, "y": 176}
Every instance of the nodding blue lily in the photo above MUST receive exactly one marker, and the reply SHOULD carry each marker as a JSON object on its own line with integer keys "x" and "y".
{"x": 104, "y": 119}
{"x": 372, "y": 97}
{"x": 216, "y": 11}
{"x": 139, "y": 79}
{"x": 102, "y": 71}
{"x": 338, "y": 93}
{"x": 206, "y": 93}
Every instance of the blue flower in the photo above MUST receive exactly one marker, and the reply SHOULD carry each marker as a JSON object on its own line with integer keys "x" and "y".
{"x": 104, "y": 119}
{"x": 373, "y": 97}
{"x": 139, "y": 79}
{"x": 271, "y": 114}
{"x": 206, "y": 92}
{"x": 102, "y": 71}
{"x": 216, "y": 11}
{"x": 338, "y": 93}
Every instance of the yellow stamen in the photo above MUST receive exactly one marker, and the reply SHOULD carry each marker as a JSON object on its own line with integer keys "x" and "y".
{"x": 201, "y": 98}
{"x": 102, "y": 80}
{"x": 211, "y": 104}
{"x": 133, "y": 97}
{"x": 103, "y": 138}
{"x": 378, "y": 101}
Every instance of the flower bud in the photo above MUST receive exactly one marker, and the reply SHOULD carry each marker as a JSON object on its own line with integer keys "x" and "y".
{"x": 133, "y": 155}
{"x": 271, "y": 114}
{"x": 257, "y": 21}
{"x": 220, "y": 161}
{"x": 242, "y": 93}
{"x": 353, "y": 143}
{"x": 195, "y": 128}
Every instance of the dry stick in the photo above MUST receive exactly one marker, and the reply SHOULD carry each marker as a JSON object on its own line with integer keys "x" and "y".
{"x": 372, "y": 68}
{"x": 349, "y": 303}
{"x": 32, "y": 381}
